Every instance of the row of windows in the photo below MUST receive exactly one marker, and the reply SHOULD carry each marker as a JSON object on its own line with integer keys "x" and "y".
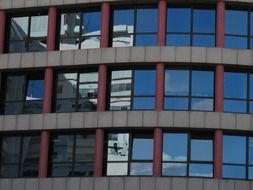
{"x": 128, "y": 153}
{"x": 186, "y": 26}
{"x": 131, "y": 88}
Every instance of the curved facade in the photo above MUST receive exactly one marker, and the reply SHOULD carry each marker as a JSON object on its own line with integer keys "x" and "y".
{"x": 126, "y": 95}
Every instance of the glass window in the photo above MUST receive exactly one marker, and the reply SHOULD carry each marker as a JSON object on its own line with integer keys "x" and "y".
{"x": 80, "y": 30}
{"x": 128, "y": 91}
{"x": 190, "y": 27}
{"x": 23, "y": 93}
{"x": 76, "y": 91}
{"x": 19, "y": 156}
{"x": 189, "y": 89}
{"x": 28, "y": 33}
{"x": 131, "y": 28}
{"x": 72, "y": 155}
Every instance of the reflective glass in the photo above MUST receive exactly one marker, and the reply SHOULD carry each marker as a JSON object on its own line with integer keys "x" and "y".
{"x": 174, "y": 169}
{"x": 121, "y": 82}
{"x": 31, "y": 149}
{"x": 39, "y": 26}
{"x": 202, "y": 104}
{"x": 15, "y": 88}
{"x": 69, "y": 43}
{"x": 234, "y": 81}
{"x": 13, "y": 108}
{"x": 123, "y": 22}
{"x": 251, "y": 23}
{"x": 10, "y": 149}
{"x": 61, "y": 170}
{"x": 251, "y": 151}
{"x": 177, "y": 82}
{"x": 70, "y": 24}
{"x": 147, "y": 76}
{"x": 251, "y": 107}
{"x": 88, "y": 84}
{"x": 17, "y": 47}
{"x": 35, "y": 90}
{"x": 203, "y": 21}
{"x": 91, "y": 23}
{"x": 234, "y": 149}
{"x": 142, "y": 149}
{"x": 32, "y": 107}
{"x": 118, "y": 145}
{"x": 175, "y": 147}
{"x": 251, "y": 86}
{"x": 235, "y": 42}
{"x": 251, "y": 43}
{"x": 62, "y": 148}
{"x": 141, "y": 169}
{"x": 235, "y": 106}
{"x": 67, "y": 85}
{"x": 68, "y": 105}
{"x": 250, "y": 172}
{"x": 87, "y": 104}
{"x": 30, "y": 169}
{"x": 123, "y": 41}
{"x": 9, "y": 170}
{"x": 203, "y": 40}
{"x": 116, "y": 169}
{"x": 238, "y": 172}
{"x": 201, "y": 150}
{"x": 146, "y": 25}
{"x": 178, "y": 15}
{"x": 143, "y": 103}
{"x": 122, "y": 104}
{"x": 202, "y": 83}
{"x": 38, "y": 45}
{"x": 90, "y": 42}
{"x": 178, "y": 40}
{"x": 84, "y": 148}
{"x": 236, "y": 22}
{"x": 176, "y": 103}
{"x": 201, "y": 170}
{"x": 146, "y": 40}
{"x": 19, "y": 28}
{"x": 83, "y": 169}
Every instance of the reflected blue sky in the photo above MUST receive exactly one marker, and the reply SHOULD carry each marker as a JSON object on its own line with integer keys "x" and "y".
{"x": 176, "y": 16}
{"x": 236, "y": 22}
{"x": 35, "y": 89}
{"x": 202, "y": 83}
{"x": 142, "y": 149}
{"x": 204, "y": 21}
{"x": 123, "y": 17}
{"x": 146, "y": 20}
{"x": 144, "y": 82}
{"x": 91, "y": 21}
{"x": 201, "y": 150}
{"x": 238, "y": 172}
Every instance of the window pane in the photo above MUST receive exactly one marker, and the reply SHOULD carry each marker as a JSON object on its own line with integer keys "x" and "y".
{"x": 123, "y": 40}
{"x": 30, "y": 169}
{"x": 250, "y": 172}
{"x": 35, "y": 90}
{"x": 178, "y": 15}
{"x": 122, "y": 104}
{"x": 251, "y": 86}
{"x": 178, "y": 40}
{"x": 141, "y": 169}
{"x": 176, "y": 103}
{"x": 174, "y": 169}
{"x": 83, "y": 169}
{"x": 235, "y": 106}
{"x": 123, "y": 22}
{"x": 10, "y": 149}
{"x": 17, "y": 47}
{"x": 31, "y": 150}
{"x": 204, "y": 21}
{"x": 251, "y": 23}
{"x": 251, "y": 151}
{"x": 144, "y": 24}
{"x": 59, "y": 170}
{"x": 251, "y": 107}
{"x": 251, "y": 43}
{"x": 19, "y": 28}
{"x": 38, "y": 45}
{"x": 236, "y": 22}
{"x": 88, "y": 84}
{"x": 121, "y": 82}
{"x": 9, "y": 171}
{"x": 87, "y": 105}
{"x": 175, "y": 147}
{"x": 142, "y": 149}
{"x": 68, "y": 105}
{"x": 203, "y": 40}
{"x": 177, "y": 83}
{"x": 15, "y": 88}
{"x": 91, "y": 23}
{"x": 143, "y": 103}
{"x": 202, "y": 104}
{"x": 145, "y": 40}
{"x": 84, "y": 148}
{"x": 201, "y": 170}
{"x": 238, "y": 172}
{"x": 67, "y": 85}
{"x": 39, "y": 26}
{"x": 202, "y": 83}
{"x": 116, "y": 169}
{"x": 235, "y": 42}
{"x": 234, "y": 81}
{"x": 13, "y": 108}
{"x": 234, "y": 149}
{"x": 118, "y": 145}
{"x": 90, "y": 42}
{"x": 69, "y": 43}
{"x": 201, "y": 150}
{"x": 70, "y": 24}
{"x": 149, "y": 77}
{"x": 62, "y": 148}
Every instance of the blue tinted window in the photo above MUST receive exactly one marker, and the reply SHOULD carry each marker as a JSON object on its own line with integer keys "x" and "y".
{"x": 178, "y": 40}
{"x": 251, "y": 151}
{"x": 145, "y": 40}
{"x": 235, "y": 42}
{"x": 91, "y": 22}
{"x": 201, "y": 150}
{"x": 235, "y": 106}
{"x": 202, "y": 104}
{"x": 238, "y": 172}
{"x": 144, "y": 82}
{"x": 143, "y": 103}
{"x": 123, "y": 20}
{"x": 146, "y": 20}
{"x": 142, "y": 149}
{"x": 174, "y": 169}
{"x": 204, "y": 21}
{"x": 251, "y": 43}
{"x": 251, "y": 86}
{"x": 178, "y": 20}
{"x": 176, "y": 103}
{"x": 251, "y": 23}
{"x": 35, "y": 89}
{"x": 201, "y": 170}
{"x": 250, "y": 172}
{"x": 236, "y": 22}
{"x": 203, "y": 40}
{"x": 234, "y": 81}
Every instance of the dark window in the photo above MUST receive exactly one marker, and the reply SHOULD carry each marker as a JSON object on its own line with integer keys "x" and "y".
{"x": 129, "y": 154}
{"x": 132, "y": 89}
{"x": 72, "y": 155}
{"x": 76, "y": 91}
{"x": 238, "y": 29}
{"x": 28, "y": 33}
{"x": 237, "y": 157}
{"x": 132, "y": 28}
{"x": 186, "y": 154}
{"x": 19, "y": 156}
{"x": 189, "y": 90}
{"x": 190, "y": 27}
{"x": 23, "y": 93}
{"x": 79, "y": 30}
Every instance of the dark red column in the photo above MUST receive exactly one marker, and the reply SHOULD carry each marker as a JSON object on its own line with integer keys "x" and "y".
{"x": 219, "y": 88}
{"x": 51, "y": 36}
{"x": 162, "y": 10}
{"x": 44, "y": 145}
{"x": 2, "y": 30}
{"x": 105, "y": 24}
{"x": 99, "y": 149}
{"x": 218, "y": 152}
{"x": 157, "y": 163}
{"x": 48, "y": 88}
{"x": 220, "y": 18}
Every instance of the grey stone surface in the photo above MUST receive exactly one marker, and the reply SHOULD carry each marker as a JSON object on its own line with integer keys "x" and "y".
{"x": 168, "y": 54}
{"x": 94, "y": 56}
{"x": 10, "y": 122}
{"x": 183, "y": 54}
{"x": 197, "y": 119}
{"x": 147, "y": 183}
{"x": 101, "y": 183}
{"x": 77, "y": 120}
{"x": 122, "y": 55}
{"x": 4, "y": 61}
{"x": 179, "y": 184}
{"x": 18, "y": 3}
{"x": 27, "y": 60}
{"x": 104, "y": 119}
{"x": 150, "y": 119}
{"x": 45, "y": 184}
{"x": 116, "y": 183}
{"x": 59, "y": 183}
{"x": 195, "y": 184}
{"x": 23, "y": 122}
{"x": 229, "y": 56}
{"x": 91, "y": 120}
{"x": 242, "y": 185}
{"x": 6, "y": 184}
{"x": 32, "y": 184}
{"x": 243, "y": 121}
{"x": 63, "y": 120}
{"x": 166, "y": 119}
{"x": 40, "y": 59}
{"x": 119, "y": 119}
{"x": 137, "y": 54}
{"x": 214, "y": 55}
{"x": 211, "y": 184}
{"x": 18, "y": 184}
{"x": 108, "y": 55}
{"x": 73, "y": 184}
{"x": 31, "y": 3}
{"x": 87, "y": 183}
{"x": 50, "y": 121}
{"x": 54, "y": 58}
{"x": 36, "y": 121}
{"x": 181, "y": 119}
{"x": 212, "y": 120}
{"x": 14, "y": 60}
{"x": 228, "y": 121}
{"x": 227, "y": 184}
{"x": 134, "y": 118}
{"x": 152, "y": 54}
{"x": 132, "y": 183}
{"x": 163, "y": 183}
{"x": 80, "y": 57}
{"x": 67, "y": 57}
{"x": 198, "y": 54}
{"x": 245, "y": 57}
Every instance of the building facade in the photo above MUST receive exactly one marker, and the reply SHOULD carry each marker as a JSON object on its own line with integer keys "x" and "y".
{"x": 145, "y": 95}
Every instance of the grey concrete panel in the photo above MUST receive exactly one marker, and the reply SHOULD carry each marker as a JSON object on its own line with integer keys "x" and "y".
{"x": 27, "y": 60}
{"x": 36, "y": 121}
{"x": 18, "y": 3}
{"x": 116, "y": 183}
{"x": 134, "y": 118}
{"x": 67, "y": 57}
{"x": 132, "y": 183}
{"x": 239, "y": 185}
{"x": 152, "y": 54}
{"x": 228, "y": 121}
{"x": 54, "y": 58}
{"x": 211, "y": 184}
{"x": 150, "y": 119}
{"x": 122, "y": 55}
{"x": 166, "y": 119}
{"x": 179, "y": 184}
{"x": 197, "y": 119}
{"x": 18, "y": 184}
{"x": 56, "y": 2}
{"x": 229, "y": 56}
{"x": 195, "y": 184}
{"x": 101, "y": 183}
{"x": 81, "y": 57}
{"x": 31, "y": 3}
{"x": 59, "y": 183}
{"x": 50, "y": 121}
{"x": 91, "y": 120}
{"x": 183, "y": 54}
{"x": 243, "y": 121}
{"x": 181, "y": 119}
{"x": 119, "y": 119}
{"x": 212, "y": 120}
{"x": 147, "y": 183}
{"x": 14, "y": 60}
{"x": 214, "y": 55}
{"x": 77, "y": 120}
{"x": 163, "y": 183}
{"x": 227, "y": 184}
{"x": 198, "y": 55}
{"x": 104, "y": 119}
{"x": 40, "y": 59}
{"x": 6, "y": 184}
{"x": 245, "y": 57}
{"x": 1, "y": 123}
{"x": 137, "y": 54}
{"x": 87, "y": 183}
{"x": 46, "y": 184}
{"x": 4, "y": 61}
{"x": 32, "y": 184}
{"x": 23, "y": 122}
{"x": 168, "y": 54}
{"x": 10, "y": 122}
{"x": 43, "y": 3}
{"x": 108, "y": 55}
{"x": 73, "y": 184}
{"x": 94, "y": 56}
{"x": 63, "y": 120}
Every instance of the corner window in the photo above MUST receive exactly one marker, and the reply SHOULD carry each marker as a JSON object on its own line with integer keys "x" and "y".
{"x": 127, "y": 90}
{"x": 129, "y": 154}
{"x": 76, "y": 91}
{"x": 132, "y": 28}
{"x": 72, "y": 155}
{"x": 190, "y": 27}
{"x": 189, "y": 90}
{"x": 19, "y": 156}
{"x": 23, "y": 93}
{"x": 187, "y": 155}
{"x": 79, "y": 30}
{"x": 28, "y": 33}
